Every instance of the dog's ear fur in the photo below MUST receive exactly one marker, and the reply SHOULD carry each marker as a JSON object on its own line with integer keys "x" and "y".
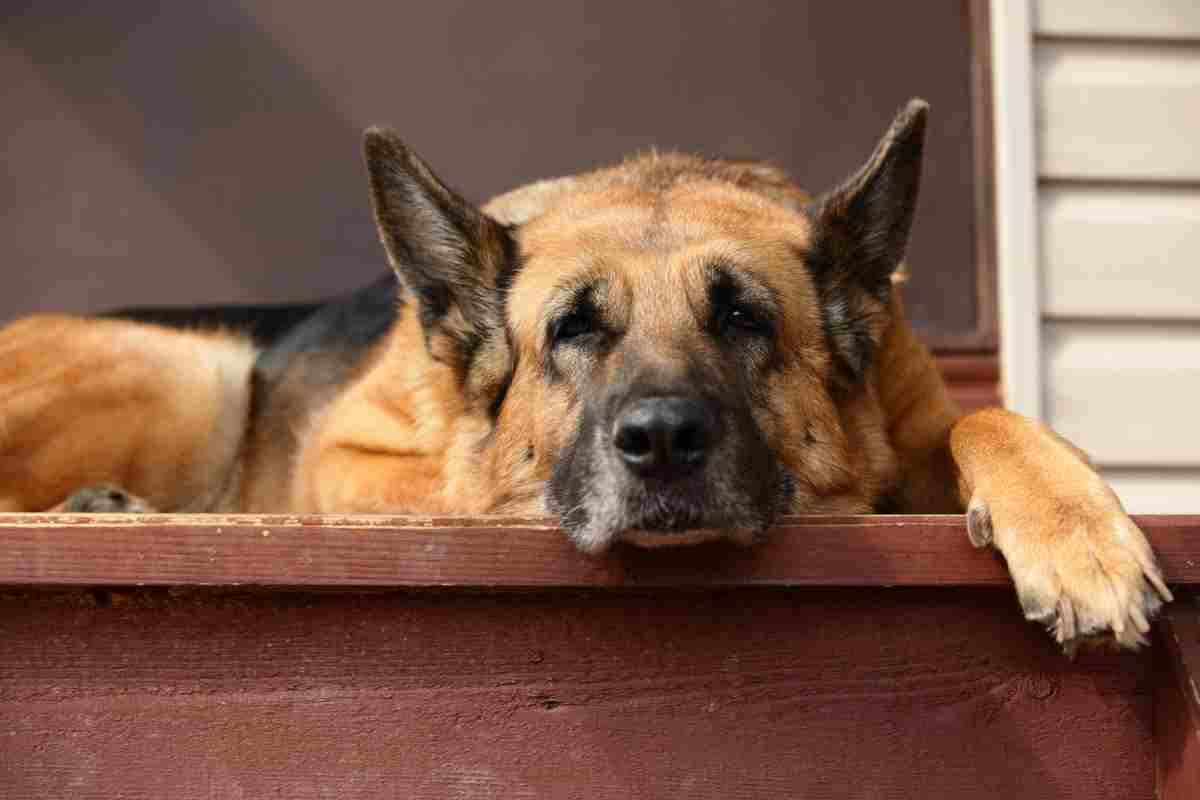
{"x": 860, "y": 232}
{"x": 452, "y": 258}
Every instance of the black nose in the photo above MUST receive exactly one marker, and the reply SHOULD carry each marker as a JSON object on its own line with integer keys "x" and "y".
{"x": 663, "y": 436}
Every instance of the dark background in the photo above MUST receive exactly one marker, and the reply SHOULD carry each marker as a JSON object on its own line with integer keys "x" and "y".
{"x": 191, "y": 153}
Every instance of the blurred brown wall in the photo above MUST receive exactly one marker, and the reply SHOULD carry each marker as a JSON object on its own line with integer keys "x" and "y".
{"x": 190, "y": 153}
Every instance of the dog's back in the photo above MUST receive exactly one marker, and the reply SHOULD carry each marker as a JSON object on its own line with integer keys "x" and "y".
{"x": 195, "y": 409}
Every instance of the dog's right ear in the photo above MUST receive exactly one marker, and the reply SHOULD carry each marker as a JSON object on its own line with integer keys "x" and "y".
{"x": 454, "y": 259}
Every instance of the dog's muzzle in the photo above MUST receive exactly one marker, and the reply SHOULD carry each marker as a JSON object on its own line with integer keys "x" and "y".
{"x": 660, "y": 466}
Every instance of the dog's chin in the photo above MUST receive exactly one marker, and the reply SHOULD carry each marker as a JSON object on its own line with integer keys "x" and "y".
{"x": 599, "y": 509}
{"x": 599, "y": 532}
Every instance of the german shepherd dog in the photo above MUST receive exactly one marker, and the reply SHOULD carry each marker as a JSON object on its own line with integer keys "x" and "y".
{"x": 663, "y": 351}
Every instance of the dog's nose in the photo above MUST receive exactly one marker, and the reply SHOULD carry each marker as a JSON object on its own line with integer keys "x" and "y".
{"x": 663, "y": 436}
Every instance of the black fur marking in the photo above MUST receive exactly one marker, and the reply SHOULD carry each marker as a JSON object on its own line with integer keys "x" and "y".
{"x": 431, "y": 232}
{"x": 848, "y": 336}
{"x": 573, "y": 473}
{"x": 741, "y": 485}
{"x": 510, "y": 268}
{"x": 864, "y": 224}
{"x": 580, "y": 317}
{"x": 448, "y": 253}
{"x": 579, "y": 323}
{"x": 736, "y": 306}
{"x": 888, "y": 503}
{"x": 434, "y": 300}
{"x": 501, "y": 395}
{"x": 860, "y": 232}
{"x": 352, "y": 324}
{"x": 510, "y": 265}
{"x": 264, "y": 324}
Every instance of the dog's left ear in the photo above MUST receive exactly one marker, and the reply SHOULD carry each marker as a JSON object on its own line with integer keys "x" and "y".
{"x": 451, "y": 257}
{"x": 860, "y": 233}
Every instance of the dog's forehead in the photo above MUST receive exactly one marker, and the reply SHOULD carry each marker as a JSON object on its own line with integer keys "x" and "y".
{"x": 657, "y": 241}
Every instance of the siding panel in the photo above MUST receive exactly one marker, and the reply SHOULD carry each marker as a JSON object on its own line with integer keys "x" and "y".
{"x": 1118, "y": 111}
{"x": 1127, "y": 394}
{"x": 1120, "y": 252}
{"x": 1156, "y": 491}
{"x": 1117, "y": 97}
{"x": 1155, "y": 19}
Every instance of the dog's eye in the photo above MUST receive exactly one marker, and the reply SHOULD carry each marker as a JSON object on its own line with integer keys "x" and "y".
{"x": 571, "y": 326}
{"x": 741, "y": 318}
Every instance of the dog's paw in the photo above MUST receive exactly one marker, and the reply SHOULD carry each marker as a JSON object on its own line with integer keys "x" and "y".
{"x": 103, "y": 499}
{"x": 1081, "y": 566}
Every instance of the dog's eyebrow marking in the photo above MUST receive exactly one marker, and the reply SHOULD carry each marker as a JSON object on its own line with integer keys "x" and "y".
{"x": 577, "y": 299}
{"x": 573, "y": 302}
{"x": 727, "y": 285}
{"x": 745, "y": 286}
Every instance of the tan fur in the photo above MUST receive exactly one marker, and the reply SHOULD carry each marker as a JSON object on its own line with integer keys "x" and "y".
{"x": 86, "y": 401}
{"x": 402, "y": 436}
{"x": 384, "y": 443}
{"x": 645, "y": 224}
{"x": 650, "y": 225}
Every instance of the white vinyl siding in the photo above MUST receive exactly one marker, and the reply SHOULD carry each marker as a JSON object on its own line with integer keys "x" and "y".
{"x": 1117, "y": 104}
{"x": 1119, "y": 251}
{"x": 1113, "y": 111}
{"x": 1126, "y": 19}
{"x": 1127, "y": 393}
{"x": 1157, "y": 491}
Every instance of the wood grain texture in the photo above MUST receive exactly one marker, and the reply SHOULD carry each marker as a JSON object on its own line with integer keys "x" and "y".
{"x": 179, "y": 550}
{"x": 1126, "y": 393}
{"x": 748, "y": 693}
{"x": 1118, "y": 112}
{"x": 1177, "y": 702}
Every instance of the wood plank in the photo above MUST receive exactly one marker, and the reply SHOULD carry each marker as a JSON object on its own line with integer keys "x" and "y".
{"x": 1177, "y": 702}
{"x": 1154, "y": 19}
{"x": 1126, "y": 252}
{"x": 1156, "y": 491}
{"x": 1118, "y": 112}
{"x": 866, "y": 693}
{"x": 1126, "y": 393}
{"x": 47, "y": 550}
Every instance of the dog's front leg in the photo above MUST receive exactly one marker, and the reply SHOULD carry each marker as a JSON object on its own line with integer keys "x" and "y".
{"x": 1080, "y": 564}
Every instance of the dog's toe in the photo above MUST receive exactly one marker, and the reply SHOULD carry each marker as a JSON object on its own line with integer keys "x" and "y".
{"x": 103, "y": 499}
{"x": 1088, "y": 577}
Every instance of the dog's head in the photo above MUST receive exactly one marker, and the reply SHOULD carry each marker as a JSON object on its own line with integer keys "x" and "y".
{"x": 666, "y": 350}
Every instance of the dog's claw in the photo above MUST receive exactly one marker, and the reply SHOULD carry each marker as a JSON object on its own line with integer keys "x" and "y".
{"x": 1091, "y": 578}
{"x": 979, "y": 523}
